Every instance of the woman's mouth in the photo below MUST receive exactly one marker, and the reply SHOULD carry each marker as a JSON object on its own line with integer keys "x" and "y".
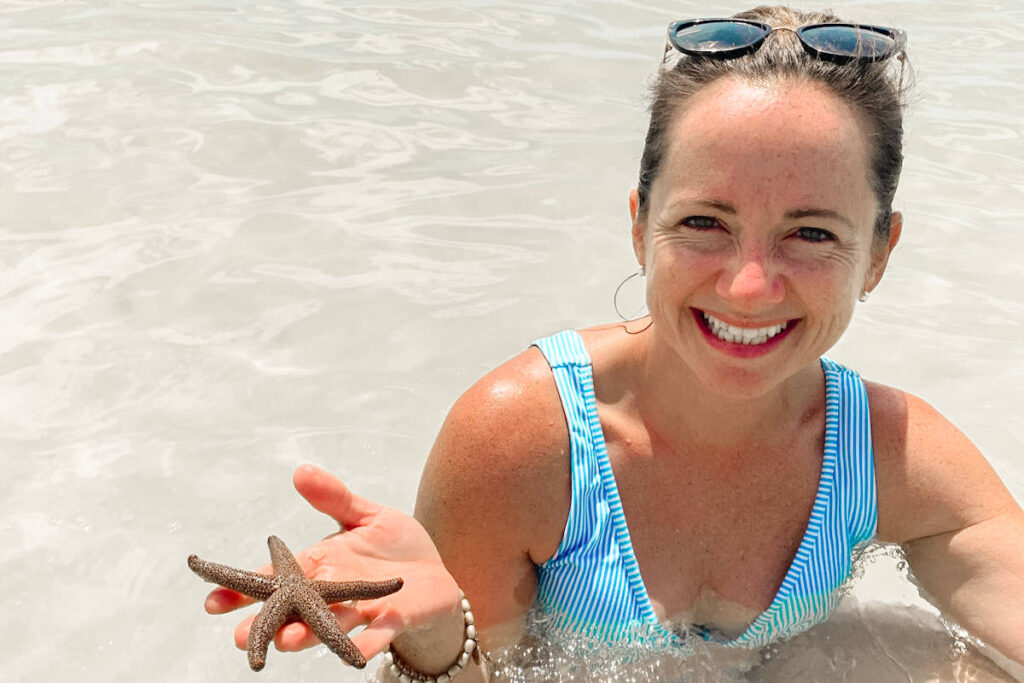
{"x": 742, "y": 341}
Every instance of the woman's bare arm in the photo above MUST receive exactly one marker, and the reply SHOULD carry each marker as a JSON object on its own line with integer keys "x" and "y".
{"x": 961, "y": 528}
{"x": 495, "y": 492}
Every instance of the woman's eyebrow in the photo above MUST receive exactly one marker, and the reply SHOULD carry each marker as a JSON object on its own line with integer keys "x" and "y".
{"x": 819, "y": 213}
{"x": 810, "y": 212}
{"x": 724, "y": 207}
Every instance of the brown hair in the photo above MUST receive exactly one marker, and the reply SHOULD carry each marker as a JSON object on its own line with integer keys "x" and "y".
{"x": 873, "y": 89}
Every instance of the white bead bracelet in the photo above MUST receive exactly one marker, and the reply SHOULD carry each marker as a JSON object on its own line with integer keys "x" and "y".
{"x": 405, "y": 673}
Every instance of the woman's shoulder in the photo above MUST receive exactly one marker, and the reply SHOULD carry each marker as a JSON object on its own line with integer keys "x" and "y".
{"x": 930, "y": 478}
{"x": 905, "y": 427}
{"x": 505, "y": 444}
{"x": 503, "y": 454}
{"x": 515, "y": 403}
{"x": 518, "y": 401}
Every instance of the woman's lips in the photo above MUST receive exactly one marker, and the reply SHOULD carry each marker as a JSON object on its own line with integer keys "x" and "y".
{"x": 742, "y": 342}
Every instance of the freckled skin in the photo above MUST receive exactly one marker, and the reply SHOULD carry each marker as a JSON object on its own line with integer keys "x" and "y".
{"x": 288, "y": 594}
{"x": 766, "y": 153}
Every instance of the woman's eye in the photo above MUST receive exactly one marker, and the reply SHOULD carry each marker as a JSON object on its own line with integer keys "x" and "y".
{"x": 815, "y": 235}
{"x": 700, "y": 222}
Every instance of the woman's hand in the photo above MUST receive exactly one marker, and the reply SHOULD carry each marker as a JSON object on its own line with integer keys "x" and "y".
{"x": 375, "y": 542}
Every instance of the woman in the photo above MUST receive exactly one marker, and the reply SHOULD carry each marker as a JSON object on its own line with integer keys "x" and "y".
{"x": 748, "y": 468}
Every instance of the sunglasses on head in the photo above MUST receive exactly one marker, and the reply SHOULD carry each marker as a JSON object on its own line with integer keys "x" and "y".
{"x": 729, "y": 38}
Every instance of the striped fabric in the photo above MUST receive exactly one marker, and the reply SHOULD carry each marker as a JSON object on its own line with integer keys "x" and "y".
{"x": 592, "y": 586}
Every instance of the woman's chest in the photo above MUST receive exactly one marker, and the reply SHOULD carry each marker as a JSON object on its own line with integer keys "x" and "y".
{"x": 715, "y": 534}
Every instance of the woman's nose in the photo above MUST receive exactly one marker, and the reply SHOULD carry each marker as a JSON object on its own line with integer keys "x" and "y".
{"x": 750, "y": 281}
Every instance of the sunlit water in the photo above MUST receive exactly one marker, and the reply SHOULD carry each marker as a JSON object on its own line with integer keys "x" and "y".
{"x": 239, "y": 236}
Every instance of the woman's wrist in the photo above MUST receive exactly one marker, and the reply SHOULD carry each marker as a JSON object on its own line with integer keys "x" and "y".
{"x": 433, "y": 650}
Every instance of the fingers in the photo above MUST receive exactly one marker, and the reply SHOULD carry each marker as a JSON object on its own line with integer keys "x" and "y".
{"x": 298, "y": 636}
{"x": 222, "y": 600}
{"x": 329, "y": 495}
{"x": 295, "y": 636}
{"x": 242, "y": 632}
{"x": 376, "y": 637}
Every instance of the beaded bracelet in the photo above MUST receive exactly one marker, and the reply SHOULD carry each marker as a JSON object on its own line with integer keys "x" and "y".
{"x": 405, "y": 673}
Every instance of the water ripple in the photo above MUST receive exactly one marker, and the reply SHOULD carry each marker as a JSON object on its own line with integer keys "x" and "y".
{"x": 238, "y": 237}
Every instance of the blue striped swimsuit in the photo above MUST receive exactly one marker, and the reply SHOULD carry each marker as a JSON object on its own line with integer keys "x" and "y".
{"x": 592, "y": 588}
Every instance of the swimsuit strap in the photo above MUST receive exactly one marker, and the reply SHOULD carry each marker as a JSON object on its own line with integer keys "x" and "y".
{"x": 855, "y": 455}
{"x": 592, "y": 583}
{"x": 844, "y": 516}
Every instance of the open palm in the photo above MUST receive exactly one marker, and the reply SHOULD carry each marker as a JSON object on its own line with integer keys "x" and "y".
{"x": 375, "y": 542}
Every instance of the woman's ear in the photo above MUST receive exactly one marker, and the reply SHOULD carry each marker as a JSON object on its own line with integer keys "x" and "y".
{"x": 880, "y": 254}
{"x": 639, "y": 248}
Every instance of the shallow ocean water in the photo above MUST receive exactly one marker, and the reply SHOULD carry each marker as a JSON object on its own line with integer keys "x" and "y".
{"x": 236, "y": 237}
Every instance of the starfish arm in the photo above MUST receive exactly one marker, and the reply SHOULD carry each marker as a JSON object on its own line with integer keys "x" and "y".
{"x": 256, "y": 586}
{"x": 321, "y": 621}
{"x": 275, "y": 612}
{"x": 284, "y": 562}
{"x": 339, "y": 591}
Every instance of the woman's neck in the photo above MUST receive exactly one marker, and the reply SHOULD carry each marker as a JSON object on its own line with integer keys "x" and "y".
{"x": 681, "y": 409}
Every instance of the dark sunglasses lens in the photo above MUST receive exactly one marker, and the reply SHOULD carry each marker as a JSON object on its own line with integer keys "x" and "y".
{"x": 718, "y": 36}
{"x": 848, "y": 41}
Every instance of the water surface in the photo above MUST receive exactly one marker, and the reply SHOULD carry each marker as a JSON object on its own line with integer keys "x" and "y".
{"x": 237, "y": 237}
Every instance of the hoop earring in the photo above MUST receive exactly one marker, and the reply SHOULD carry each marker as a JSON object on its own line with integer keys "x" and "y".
{"x": 615, "y": 297}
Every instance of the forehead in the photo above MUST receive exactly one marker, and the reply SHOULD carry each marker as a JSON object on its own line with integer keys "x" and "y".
{"x": 793, "y": 140}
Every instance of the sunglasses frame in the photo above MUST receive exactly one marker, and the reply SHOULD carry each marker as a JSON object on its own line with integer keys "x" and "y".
{"x": 898, "y": 37}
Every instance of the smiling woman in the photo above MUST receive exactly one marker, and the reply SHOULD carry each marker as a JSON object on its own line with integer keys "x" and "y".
{"x": 761, "y": 214}
{"x": 704, "y": 474}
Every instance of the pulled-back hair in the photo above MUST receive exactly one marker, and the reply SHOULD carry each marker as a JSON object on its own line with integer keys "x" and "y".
{"x": 874, "y": 89}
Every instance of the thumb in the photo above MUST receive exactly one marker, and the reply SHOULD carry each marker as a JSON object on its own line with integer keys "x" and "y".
{"x": 329, "y": 495}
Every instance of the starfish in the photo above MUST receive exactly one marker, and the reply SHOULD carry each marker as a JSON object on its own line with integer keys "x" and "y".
{"x": 288, "y": 594}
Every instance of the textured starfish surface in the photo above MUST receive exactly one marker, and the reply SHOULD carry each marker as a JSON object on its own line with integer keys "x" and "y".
{"x": 289, "y": 594}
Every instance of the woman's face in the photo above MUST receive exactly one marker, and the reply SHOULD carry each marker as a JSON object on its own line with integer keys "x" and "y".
{"x": 758, "y": 236}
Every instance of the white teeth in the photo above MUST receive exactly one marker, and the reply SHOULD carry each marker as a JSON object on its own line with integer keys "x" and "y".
{"x": 742, "y": 335}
